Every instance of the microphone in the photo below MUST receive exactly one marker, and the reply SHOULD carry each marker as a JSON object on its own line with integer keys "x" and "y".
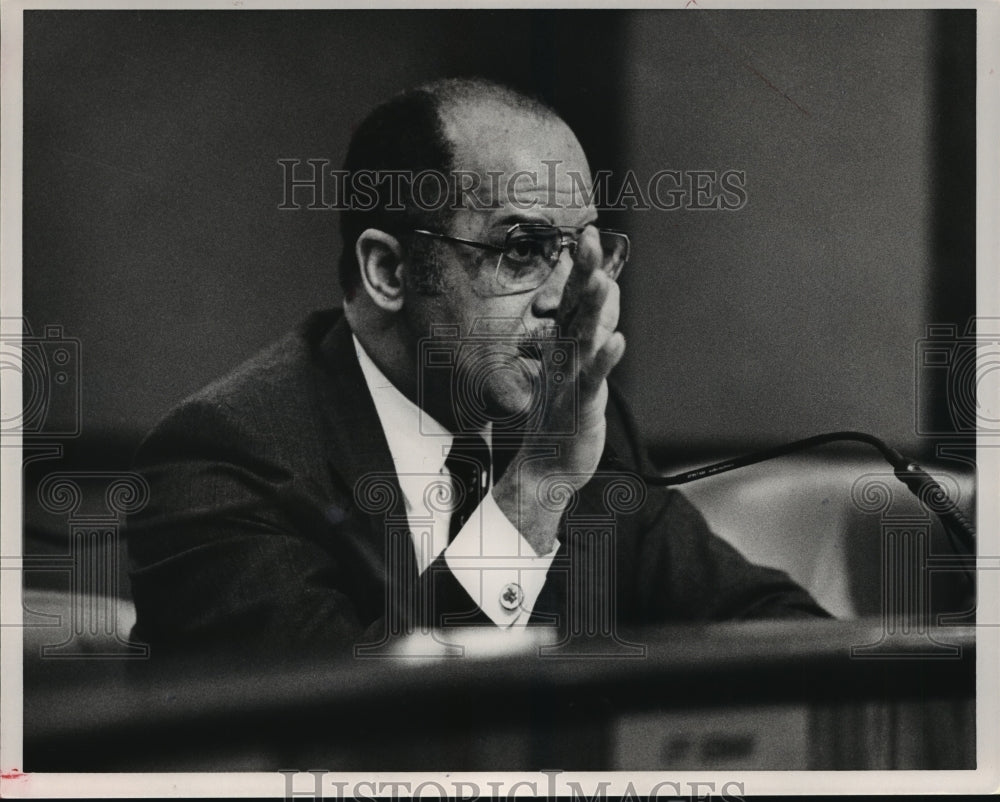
{"x": 960, "y": 531}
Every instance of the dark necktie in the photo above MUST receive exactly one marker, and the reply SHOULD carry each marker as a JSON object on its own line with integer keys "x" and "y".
{"x": 469, "y": 465}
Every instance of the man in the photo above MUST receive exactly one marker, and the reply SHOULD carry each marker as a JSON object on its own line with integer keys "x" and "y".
{"x": 441, "y": 452}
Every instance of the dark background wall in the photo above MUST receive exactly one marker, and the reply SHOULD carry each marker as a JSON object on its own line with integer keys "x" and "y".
{"x": 151, "y": 190}
{"x": 802, "y": 310}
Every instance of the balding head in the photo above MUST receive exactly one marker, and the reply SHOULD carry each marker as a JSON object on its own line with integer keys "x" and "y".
{"x": 443, "y": 126}
{"x": 455, "y": 95}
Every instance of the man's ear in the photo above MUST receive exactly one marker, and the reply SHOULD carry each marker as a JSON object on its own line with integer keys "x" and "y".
{"x": 380, "y": 258}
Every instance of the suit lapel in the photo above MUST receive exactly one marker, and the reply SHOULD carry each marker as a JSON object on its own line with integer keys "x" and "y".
{"x": 359, "y": 458}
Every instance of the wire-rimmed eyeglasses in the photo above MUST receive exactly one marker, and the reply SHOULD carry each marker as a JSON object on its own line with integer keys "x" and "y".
{"x": 531, "y": 251}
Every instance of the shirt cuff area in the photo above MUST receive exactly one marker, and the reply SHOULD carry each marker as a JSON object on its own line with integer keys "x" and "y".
{"x": 497, "y": 567}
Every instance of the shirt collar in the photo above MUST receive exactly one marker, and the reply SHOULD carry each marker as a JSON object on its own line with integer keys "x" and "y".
{"x": 417, "y": 442}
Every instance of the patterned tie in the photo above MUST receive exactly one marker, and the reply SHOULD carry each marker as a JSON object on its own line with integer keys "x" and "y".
{"x": 469, "y": 465}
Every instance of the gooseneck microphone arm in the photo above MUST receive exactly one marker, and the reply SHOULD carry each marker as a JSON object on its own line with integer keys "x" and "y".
{"x": 921, "y": 484}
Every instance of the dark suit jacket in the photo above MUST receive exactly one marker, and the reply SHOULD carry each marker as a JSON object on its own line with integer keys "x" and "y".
{"x": 275, "y": 525}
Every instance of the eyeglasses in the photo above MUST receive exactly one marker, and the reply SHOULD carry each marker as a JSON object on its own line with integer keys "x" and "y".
{"x": 531, "y": 251}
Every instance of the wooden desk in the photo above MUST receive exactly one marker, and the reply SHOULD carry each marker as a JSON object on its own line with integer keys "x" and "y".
{"x": 775, "y": 695}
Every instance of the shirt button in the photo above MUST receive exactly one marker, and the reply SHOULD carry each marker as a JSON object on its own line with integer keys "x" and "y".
{"x": 511, "y": 597}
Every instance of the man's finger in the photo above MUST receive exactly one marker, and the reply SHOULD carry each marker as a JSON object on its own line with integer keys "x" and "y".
{"x": 607, "y": 315}
{"x": 587, "y": 260}
{"x": 592, "y": 375}
{"x": 596, "y": 315}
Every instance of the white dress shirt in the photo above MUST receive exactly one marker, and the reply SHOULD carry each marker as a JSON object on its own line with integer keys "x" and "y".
{"x": 489, "y": 557}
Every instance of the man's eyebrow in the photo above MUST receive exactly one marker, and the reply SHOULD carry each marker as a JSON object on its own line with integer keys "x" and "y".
{"x": 519, "y": 217}
{"x": 507, "y": 220}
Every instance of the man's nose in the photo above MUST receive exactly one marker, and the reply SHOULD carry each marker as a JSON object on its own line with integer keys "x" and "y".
{"x": 549, "y": 294}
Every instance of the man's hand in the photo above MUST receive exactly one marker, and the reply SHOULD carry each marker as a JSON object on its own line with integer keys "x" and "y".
{"x": 534, "y": 492}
